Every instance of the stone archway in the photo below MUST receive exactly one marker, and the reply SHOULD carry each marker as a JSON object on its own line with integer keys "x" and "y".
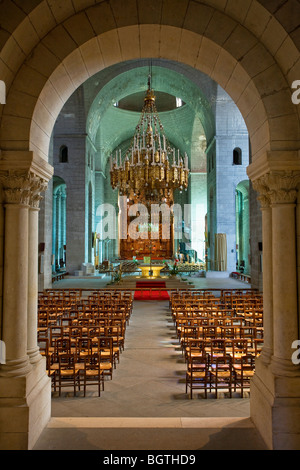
{"x": 242, "y": 226}
{"x": 255, "y": 60}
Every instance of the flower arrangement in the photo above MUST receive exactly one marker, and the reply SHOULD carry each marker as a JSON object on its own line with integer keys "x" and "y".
{"x": 174, "y": 268}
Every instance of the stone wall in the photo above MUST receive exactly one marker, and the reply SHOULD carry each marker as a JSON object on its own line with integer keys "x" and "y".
{"x": 256, "y": 246}
{"x": 45, "y": 234}
{"x": 224, "y": 176}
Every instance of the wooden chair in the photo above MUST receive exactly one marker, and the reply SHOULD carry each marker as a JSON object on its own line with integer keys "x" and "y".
{"x": 92, "y": 373}
{"x": 83, "y": 347}
{"x": 114, "y": 333}
{"x": 67, "y": 372}
{"x": 217, "y": 348}
{"x": 197, "y": 375}
{"x": 61, "y": 346}
{"x": 210, "y": 332}
{"x": 195, "y": 347}
{"x": 56, "y": 332}
{"x": 244, "y": 372}
{"x": 221, "y": 374}
{"x": 189, "y": 333}
{"x": 239, "y": 348}
{"x": 104, "y": 346}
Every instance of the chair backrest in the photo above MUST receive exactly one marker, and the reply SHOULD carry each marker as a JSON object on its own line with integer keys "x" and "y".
{"x": 218, "y": 345}
{"x": 199, "y": 362}
{"x": 221, "y": 364}
{"x": 66, "y": 361}
{"x": 83, "y": 343}
{"x": 248, "y": 363}
{"x": 105, "y": 342}
{"x": 62, "y": 345}
{"x": 92, "y": 361}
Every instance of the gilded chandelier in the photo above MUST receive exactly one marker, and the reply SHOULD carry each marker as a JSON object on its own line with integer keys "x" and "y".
{"x": 151, "y": 169}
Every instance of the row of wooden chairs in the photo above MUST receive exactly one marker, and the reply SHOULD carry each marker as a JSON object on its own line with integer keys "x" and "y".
{"x": 251, "y": 314}
{"x": 220, "y": 338}
{"x": 82, "y": 345}
{"x": 219, "y": 372}
{"x": 224, "y": 297}
{"x": 68, "y": 372}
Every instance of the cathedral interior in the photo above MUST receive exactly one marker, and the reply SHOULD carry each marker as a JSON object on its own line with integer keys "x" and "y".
{"x": 149, "y": 170}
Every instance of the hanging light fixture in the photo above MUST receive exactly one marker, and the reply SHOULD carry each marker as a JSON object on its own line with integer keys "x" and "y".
{"x": 151, "y": 169}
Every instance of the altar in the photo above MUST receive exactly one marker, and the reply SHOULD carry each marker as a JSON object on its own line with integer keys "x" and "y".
{"x": 154, "y": 268}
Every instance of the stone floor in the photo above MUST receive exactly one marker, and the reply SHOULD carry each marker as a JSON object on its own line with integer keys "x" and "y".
{"x": 144, "y": 406}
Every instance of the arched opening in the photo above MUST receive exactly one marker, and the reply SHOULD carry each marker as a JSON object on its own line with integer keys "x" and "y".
{"x": 90, "y": 223}
{"x": 59, "y": 231}
{"x": 273, "y": 128}
{"x": 237, "y": 156}
{"x": 243, "y": 228}
{"x": 63, "y": 154}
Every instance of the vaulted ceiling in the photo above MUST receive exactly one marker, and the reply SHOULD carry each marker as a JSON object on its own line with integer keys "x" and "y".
{"x": 92, "y": 108}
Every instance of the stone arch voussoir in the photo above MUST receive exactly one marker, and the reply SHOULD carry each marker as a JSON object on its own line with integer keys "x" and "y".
{"x": 255, "y": 81}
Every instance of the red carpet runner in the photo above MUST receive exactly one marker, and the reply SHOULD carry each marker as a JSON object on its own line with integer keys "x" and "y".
{"x": 151, "y": 293}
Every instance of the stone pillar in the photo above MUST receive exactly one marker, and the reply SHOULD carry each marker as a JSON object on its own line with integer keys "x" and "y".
{"x": 54, "y": 232}
{"x": 64, "y": 224}
{"x": 15, "y": 291}
{"x": 25, "y": 388}
{"x": 58, "y": 228}
{"x": 38, "y": 185}
{"x": 275, "y": 388}
{"x": 283, "y": 195}
{"x": 260, "y": 186}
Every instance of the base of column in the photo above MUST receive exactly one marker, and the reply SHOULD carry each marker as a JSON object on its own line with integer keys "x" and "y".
{"x": 275, "y": 408}
{"x": 25, "y": 408}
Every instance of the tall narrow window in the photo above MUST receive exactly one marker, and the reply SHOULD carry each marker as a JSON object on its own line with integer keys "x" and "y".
{"x": 237, "y": 156}
{"x": 59, "y": 224}
{"x": 63, "y": 154}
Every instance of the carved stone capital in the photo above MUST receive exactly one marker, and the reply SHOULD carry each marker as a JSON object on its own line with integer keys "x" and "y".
{"x": 38, "y": 185}
{"x": 261, "y": 187}
{"x": 16, "y": 187}
{"x": 21, "y": 187}
{"x": 283, "y": 187}
{"x": 279, "y": 187}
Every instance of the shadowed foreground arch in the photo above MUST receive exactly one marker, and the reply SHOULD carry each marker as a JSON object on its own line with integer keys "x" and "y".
{"x": 255, "y": 62}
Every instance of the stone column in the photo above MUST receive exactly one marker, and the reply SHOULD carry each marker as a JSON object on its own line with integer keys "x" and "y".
{"x": 263, "y": 190}
{"x": 58, "y": 228}
{"x": 16, "y": 187}
{"x": 37, "y": 186}
{"x": 25, "y": 388}
{"x": 275, "y": 396}
{"x": 64, "y": 222}
{"x": 54, "y": 230}
{"x": 283, "y": 195}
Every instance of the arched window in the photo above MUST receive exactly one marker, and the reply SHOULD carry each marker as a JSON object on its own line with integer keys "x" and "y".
{"x": 59, "y": 224}
{"x": 237, "y": 156}
{"x": 63, "y": 154}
